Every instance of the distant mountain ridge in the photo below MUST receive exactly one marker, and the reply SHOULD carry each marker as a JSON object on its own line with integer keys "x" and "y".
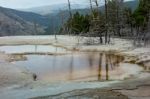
{"x": 44, "y": 10}
{"x": 13, "y": 22}
{"x": 53, "y": 9}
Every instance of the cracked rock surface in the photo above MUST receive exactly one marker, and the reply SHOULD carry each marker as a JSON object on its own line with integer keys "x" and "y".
{"x": 87, "y": 94}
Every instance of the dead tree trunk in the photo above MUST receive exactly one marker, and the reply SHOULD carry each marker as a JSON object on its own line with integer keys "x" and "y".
{"x": 70, "y": 13}
{"x": 106, "y": 22}
{"x": 91, "y": 7}
{"x": 69, "y": 6}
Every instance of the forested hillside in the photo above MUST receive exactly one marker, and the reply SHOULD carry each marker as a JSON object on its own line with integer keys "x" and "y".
{"x": 116, "y": 20}
{"x": 61, "y": 16}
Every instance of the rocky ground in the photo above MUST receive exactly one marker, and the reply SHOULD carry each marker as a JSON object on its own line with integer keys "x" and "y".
{"x": 87, "y": 94}
{"x": 12, "y": 76}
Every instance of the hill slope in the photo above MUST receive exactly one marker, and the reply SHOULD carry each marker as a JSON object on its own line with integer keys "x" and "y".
{"x": 13, "y": 22}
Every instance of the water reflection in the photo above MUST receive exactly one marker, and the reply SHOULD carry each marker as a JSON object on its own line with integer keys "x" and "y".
{"x": 100, "y": 66}
{"x": 74, "y": 67}
{"x": 71, "y": 67}
{"x": 146, "y": 66}
{"x": 108, "y": 62}
{"x": 107, "y": 69}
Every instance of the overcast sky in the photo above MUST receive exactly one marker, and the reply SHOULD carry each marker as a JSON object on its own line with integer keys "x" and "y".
{"x": 19, "y": 4}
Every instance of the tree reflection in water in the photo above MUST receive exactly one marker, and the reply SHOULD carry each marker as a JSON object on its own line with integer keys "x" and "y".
{"x": 109, "y": 62}
{"x": 106, "y": 63}
{"x": 74, "y": 66}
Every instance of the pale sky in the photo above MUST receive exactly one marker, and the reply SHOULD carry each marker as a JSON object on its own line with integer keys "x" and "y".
{"x": 21, "y": 4}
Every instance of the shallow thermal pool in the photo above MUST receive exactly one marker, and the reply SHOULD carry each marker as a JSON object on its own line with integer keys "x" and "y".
{"x": 75, "y": 66}
{"x": 31, "y": 48}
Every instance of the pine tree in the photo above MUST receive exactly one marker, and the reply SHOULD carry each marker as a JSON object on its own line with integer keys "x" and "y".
{"x": 78, "y": 24}
{"x": 141, "y": 18}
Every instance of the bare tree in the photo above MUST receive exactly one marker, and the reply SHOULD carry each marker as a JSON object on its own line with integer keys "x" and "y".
{"x": 53, "y": 29}
{"x": 106, "y": 22}
{"x": 62, "y": 28}
{"x": 96, "y": 26}
{"x": 35, "y": 28}
{"x": 91, "y": 7}
{"x": 69, "y": 6}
